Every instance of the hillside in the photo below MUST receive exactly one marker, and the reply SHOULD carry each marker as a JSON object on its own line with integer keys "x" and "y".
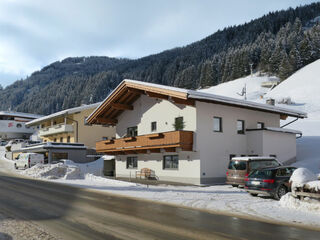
{"x": 279, "y": 43}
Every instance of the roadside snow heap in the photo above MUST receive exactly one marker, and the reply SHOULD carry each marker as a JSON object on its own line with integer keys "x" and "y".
{"x": 302, "y": 178}
{"x": 66, "y": 169}
{"x": 53, "y": 171}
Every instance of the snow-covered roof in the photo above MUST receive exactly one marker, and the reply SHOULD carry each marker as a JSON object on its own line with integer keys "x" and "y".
{"x": 253, "y": 158}
{"x": 20, "y": 114}
{"x": 243, "y": 103}
{"x": 54, "y": 145}
{"x": 186, "y": 94}
{"x": 275, "y": 129}
{"x": 62, "y": 113}
{"x": 199, "y": 95}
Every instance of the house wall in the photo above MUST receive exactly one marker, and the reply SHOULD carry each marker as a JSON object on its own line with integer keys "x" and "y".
{"x": 266, "y": 143}
{"x": 89, "y": 135}
{"x": 147, "y": 110}
{"x": 164, "y": 112}
{"x": 216, "y": 147}
{"x": 188, "y": 171}
{"x": 283, "y": 145}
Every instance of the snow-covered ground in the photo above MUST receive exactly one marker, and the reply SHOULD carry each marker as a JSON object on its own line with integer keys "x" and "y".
{"x": 301, "y": 88}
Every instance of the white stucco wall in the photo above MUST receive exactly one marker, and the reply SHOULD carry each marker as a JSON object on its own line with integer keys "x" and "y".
{"x": 215, "y": 147}
{"x": 188, "y": 171}
{"x": 267, "y": 143}
{"x": 283, "y": 145}
{"x": 147, "y": 110}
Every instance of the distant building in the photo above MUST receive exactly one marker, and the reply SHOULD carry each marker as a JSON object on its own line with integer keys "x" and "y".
{"x": 13, "y": 125}
{"x": 68, "y": 126}
{"x": 188, "y": 136}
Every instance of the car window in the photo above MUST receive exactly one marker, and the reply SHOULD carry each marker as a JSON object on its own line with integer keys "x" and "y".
{"x": 261, "y": 174}
{"x": 237, "y": 165}
{"x": 285, "y": 172}
{"x": 263, "y": 163}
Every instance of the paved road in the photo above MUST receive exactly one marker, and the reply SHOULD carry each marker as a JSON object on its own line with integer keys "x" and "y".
{"x": 73, "y": 213}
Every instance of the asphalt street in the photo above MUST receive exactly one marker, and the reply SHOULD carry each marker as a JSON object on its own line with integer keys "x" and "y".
{"x": 74, "y": 213}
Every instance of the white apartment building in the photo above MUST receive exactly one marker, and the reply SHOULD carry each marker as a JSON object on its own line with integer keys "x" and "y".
{"x": 188, "y": 136}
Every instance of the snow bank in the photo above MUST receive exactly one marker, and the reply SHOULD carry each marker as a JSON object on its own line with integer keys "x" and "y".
{"x": 301, "y": 176}
{"x": 307, "y": 205}
{"x": 53, "y": 171}
{"x": 67, "y": 169}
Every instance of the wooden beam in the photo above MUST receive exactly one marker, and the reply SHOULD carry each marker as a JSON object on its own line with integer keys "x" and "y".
{"x": 121, "y": 106}
{"x": 189, "y": 102}
{"x": 135, "y": 91}
{"x": 107, "y": 121}
{"x": 157, "y": 95}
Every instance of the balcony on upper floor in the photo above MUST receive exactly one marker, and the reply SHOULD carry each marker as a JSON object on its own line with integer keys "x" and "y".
{"x": 55, "y": 129}
{"x": 151, "y": 143}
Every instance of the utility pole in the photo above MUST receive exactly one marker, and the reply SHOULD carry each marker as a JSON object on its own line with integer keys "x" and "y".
{"x": 251, "y": 68}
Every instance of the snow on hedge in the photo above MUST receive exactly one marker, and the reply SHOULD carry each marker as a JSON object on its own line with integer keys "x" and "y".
{"x": 301, "y": 176}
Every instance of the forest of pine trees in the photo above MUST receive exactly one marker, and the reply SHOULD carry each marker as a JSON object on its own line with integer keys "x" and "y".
{"x": 278, "y": 43}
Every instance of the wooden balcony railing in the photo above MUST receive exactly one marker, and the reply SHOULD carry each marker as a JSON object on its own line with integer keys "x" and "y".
{"x": 150, "y": 143}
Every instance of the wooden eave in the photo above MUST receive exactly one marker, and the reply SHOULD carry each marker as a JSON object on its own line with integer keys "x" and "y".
{"x": 123, "y": 97}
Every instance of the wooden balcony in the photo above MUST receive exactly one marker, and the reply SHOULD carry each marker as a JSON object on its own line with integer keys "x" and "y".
{"x": 150, "y": 143}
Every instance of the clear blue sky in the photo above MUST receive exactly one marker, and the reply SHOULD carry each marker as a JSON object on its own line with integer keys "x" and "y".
{"x": 34, "y": 33}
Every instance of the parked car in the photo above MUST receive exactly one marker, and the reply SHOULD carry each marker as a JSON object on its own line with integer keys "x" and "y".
{"x": 240, "y": 167}
{"x": 27, "y": 160}
{"x": 272, "y": 182}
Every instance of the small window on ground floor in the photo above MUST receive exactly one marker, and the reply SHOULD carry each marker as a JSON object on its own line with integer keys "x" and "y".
{"x": 132, "y": 162}
{"x": 171, "y": 162}
{"x": 61, "y": 139}
{"x": 68, "y": 139}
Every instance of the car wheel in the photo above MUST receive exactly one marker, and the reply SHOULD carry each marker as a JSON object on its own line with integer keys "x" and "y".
{"x": 15, "y": 166}
{"x": 281, "y": 191}
{"x": 25, "y": 166}
{"x": 253, "y": 194}
{"x": 234, "y": 185}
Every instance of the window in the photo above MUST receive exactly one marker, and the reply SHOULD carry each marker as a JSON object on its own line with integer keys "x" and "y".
{"x": 240, "y": 126}
{"x": 132, "y": 131}
{"x": 68, "y": 139}
{"x": 153, "y": 126}
{"x": 217, "y": 124}
{"x": 170, "y": 162}
{"x": 61, "y": 139}
{"x": 19, "y": 125}
{"x": 132, "y": 162}
{"x": 260, "y": 125}
{"x": 178, "y": 123}
{"x": 55, "y": 140}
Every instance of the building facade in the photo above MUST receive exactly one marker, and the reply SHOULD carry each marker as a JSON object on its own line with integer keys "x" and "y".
{"x": 188, "y": 136}
{"x": 68, "y": 126}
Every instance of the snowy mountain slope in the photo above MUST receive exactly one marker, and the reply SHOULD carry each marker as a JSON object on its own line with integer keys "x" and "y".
{"x": 232, "y": 88}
